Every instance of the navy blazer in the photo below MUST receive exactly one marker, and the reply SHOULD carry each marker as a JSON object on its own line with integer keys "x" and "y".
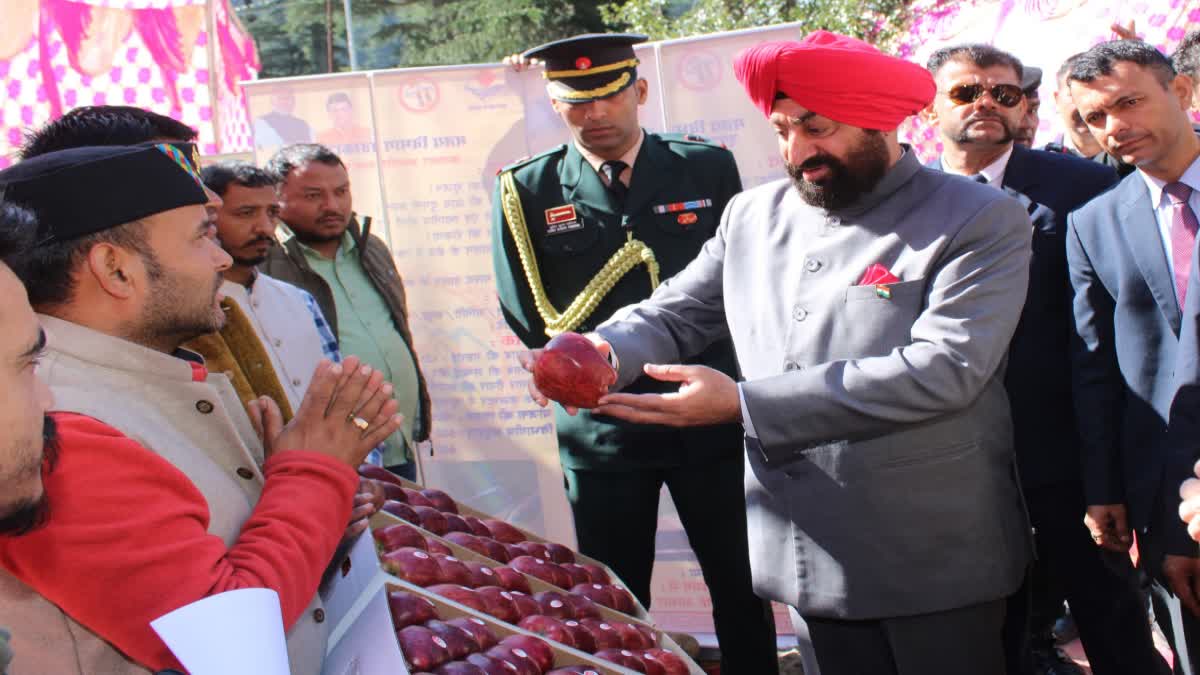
{"x": 1129, "y": 321}
{"x": 1038, "y": 379}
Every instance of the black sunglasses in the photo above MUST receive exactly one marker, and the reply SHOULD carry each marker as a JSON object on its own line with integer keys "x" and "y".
{"x": 1007, "y": 95}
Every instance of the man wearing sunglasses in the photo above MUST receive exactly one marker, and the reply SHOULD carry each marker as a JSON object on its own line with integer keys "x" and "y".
{"x": 977, "y": 109}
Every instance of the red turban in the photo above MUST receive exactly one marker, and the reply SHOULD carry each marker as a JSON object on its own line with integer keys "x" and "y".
{"x": 838, "y": 77}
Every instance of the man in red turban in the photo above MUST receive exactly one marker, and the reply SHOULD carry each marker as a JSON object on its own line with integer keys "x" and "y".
{"x": 871, "y": 302}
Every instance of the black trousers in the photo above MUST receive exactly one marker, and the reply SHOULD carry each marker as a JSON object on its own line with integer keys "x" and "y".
{"x": 953, "y": 642}
{"x": 1101, "y": 587}
{"x": 1179, "y": 626}
{"x": 616, "y": 516}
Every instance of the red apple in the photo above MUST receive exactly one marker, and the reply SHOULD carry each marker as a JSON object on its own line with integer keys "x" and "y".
{"x": 412, "y": 565}
{"x": 598, "y": 593}
{"x": 402, "y": 511}
{"x": 460, "y": 594}
{"x": 584, "y": 641}
{"x": 549, "y": 627}
{"x": 583, "y": 606}
{"x": 648, "y": 633}
{"x": 481, "y": 574}
{"x": 459, "y": 668}
{"x": 378, "y": 473}
{"x": 468, "y": 541}
{"x": 623, "y": 599}
{"x": 526, "y": 605}
{"x": 621, "y": 657}
{"x": 393, "y": 491}
{"x": 503, "y": 532}
{"x": 478, "y": 628}
{"x": 396, "y": 536}
{"x": 599, "y": 576}
{"x": 499, "y": 603}
{"x": 497, "y": 551}
{"x": 560, "y": 554}
{"x": 409, "y": 610}
{"x": 440, "y": 500}
{"x": 572, "y": 371}
{"x": 535, "y": 549}
{"x": 606, "y": 636}
{"x": 537, "y": 648}
{"x": 671, "y": 662}
{"x": 477, "y": 527}
{"x": 455, "y": 523}
{"x": 414, "y": 498}
{"x": 422, "y": 648}
{"x": 512, "y": 580}
{"x": 431, "y": 519}
{"x": 578, "y": 573}
{"x": 459, "y": 641}
{"x": 649, "y": 665}
{"x": 524, "y": 663}
{"x": 631, "y": 638}
{"x": 453, "y": 571}
{"x": 490, "y": 665}
{"x": 574, "y": 670}
{"x": 438, "y": 547}
{"x": 554, "y": 604}
{"x": 539, "y": 569}
{"x": 512, "y": 551}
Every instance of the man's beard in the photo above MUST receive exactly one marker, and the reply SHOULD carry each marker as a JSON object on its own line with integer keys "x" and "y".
{"x": 963, "y": 138}
{"x": 173, "y": 314}
{"x": 28, "y": 514}
{"x": 256, "y": 260}
{"x": 864, "y": 167}
{"x": 316, "y": 235}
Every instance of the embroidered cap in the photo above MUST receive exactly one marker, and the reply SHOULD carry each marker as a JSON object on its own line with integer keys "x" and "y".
{"x": 589, "y": 67}
{"x": 82, "y": 191}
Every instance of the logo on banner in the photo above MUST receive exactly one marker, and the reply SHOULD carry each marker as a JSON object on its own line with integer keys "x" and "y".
{"x": 487, "y": 87}
{"x": 699, "y": 70}
{"x": 419, "y": 95}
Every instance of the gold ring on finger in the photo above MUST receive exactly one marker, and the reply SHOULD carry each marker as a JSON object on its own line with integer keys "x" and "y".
{"x": 359, "y": 422}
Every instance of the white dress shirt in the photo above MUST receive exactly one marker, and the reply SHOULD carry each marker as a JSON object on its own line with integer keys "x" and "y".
{"x": 994, "y": 172}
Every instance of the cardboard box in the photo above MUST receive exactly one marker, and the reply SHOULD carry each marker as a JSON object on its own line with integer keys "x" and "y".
{"x": 463, "y": 509}
{"x": 381, "y": 519}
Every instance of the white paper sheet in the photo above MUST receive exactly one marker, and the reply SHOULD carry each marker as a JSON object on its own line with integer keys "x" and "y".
{"x": 233, "y": 633}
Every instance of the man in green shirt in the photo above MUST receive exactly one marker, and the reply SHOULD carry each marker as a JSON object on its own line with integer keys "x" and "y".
{"x": 352, "y": 275}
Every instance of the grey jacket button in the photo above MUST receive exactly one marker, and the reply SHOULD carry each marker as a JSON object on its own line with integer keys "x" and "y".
{"x": 812, "y": 265}
{"x": 245, "y": 473}
{"x": 205, "y": 407}
{"x": 799, "y": 313}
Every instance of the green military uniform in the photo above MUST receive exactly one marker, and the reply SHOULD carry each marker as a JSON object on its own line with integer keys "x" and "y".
{"x": 558, "y": 234}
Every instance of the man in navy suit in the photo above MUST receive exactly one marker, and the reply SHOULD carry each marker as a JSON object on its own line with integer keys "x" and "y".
{"x": 977, "y": 110}
{"x": 1130, "y": 255}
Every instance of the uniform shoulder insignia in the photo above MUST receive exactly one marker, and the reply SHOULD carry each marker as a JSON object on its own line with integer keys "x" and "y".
{"x": 691, "y": 139}
{"x": 558, "y": 149}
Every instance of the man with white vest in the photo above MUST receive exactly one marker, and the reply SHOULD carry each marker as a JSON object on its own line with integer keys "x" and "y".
{"x": 164, "y": 492}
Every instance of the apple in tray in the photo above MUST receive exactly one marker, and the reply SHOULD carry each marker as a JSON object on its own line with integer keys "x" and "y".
{"x": 422, "y": 648}
{"x": 378, "y": 473}
{"x": 409, "y": 610}
{"x": 459, "y": 641}
{"x": 478, "y": 628}
{"x": 412, "y": 565}
{"x": 572, "y": 371}
{"x": 440, "y": 500}
{"x": 399, "y": 535}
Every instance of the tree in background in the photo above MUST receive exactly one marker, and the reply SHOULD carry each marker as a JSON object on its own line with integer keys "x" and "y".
{"x": 291, "y": 34}
{"x": 877, "y": 21}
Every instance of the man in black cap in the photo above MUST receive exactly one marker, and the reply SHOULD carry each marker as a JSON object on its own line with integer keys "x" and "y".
{"x": 1031, "y": 79}
{"x": 581, "y": 230}
{"x": 163, "y": 490}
